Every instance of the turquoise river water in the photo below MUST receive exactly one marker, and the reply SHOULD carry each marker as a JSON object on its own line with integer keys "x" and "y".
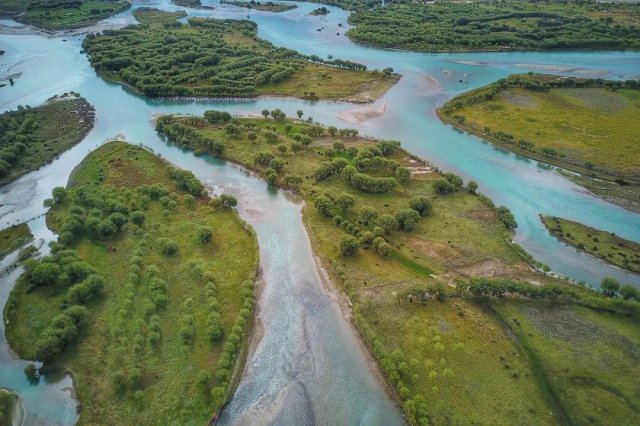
{"x": 306, "y": 366}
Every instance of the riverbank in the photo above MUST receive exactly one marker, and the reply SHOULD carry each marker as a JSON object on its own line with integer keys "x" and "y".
{"x": 582, "y": 125}
{"x": 181, "y": 247}
{"x": 14, "y": 237}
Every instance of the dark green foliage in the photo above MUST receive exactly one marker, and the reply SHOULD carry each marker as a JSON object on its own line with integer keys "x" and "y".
{"x": 205, "y": 235}
{"x": 324, "y": 205}
{"x": 507, "y": 217}
{"x": 31, "y": 372}
{"x": 421, "y": 204}
{"x": 61, "y": 332}
{"x": 167, "y": 247}
{"x": 187, "y": 182}
{"x": 187, "y": 136}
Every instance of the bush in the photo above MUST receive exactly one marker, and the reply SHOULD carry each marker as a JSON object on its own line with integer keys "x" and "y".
{"x": 420, "y": 204}
{"x": 168, "y": 247}
{"x": 507, "y": 217}
{"x": 205, "y": 235}
{"x": 407, "y": 219}
{"x": 348, "y": 246}
{"x": 442, "y": 186}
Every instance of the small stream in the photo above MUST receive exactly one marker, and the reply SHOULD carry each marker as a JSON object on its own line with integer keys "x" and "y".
{"x": 307, "y": 367}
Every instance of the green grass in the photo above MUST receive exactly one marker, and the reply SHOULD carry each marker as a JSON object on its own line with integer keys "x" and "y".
{"x": 45, "y": 132}
{"x": 605, "y": 245}
{"x": 590, "y": 358}
{"x": 13, "y": 237}
{"x": 59, "y": 15}
{"x": 170, "y": 368}
{"x": 221, "y": 58}
{"x": 588, "y": 127}
{"x": 461, "y": 238}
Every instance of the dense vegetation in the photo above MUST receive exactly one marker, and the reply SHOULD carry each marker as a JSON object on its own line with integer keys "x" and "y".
{"x": 147, "y": 296}
{"x": 395, "y": 251}
{"x": 8, "y": 401}
{"x": 33, "y": 137}
{"x": 220, "y": 58}
{"x": 14, "y": 237}
{"x": 501, "y": 24}
{"x": 605, "y": 245}
{"x": 63, "y": 14}
{"x": 268, "y": 6}
{"x": 585, "y": 125}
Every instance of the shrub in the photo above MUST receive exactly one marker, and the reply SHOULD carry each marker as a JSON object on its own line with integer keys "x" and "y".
{"x": 168, "y": 247}
{"x": 348, "y": 245}
{"x": 407, "y": 219}
{"x": 420, "y": 204}
{"x": 442, "y": 186}
{"x": 507, "y": 217}
{"x": 205, "y": 235}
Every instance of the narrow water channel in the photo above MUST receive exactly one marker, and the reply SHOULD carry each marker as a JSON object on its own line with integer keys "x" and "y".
{"x": 307, "y": 366}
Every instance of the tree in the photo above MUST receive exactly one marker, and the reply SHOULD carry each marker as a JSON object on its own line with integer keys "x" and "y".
{"x": 507, "y": 217}
{"x": 403, "y": 174}
{"x": 420, "y": 204}
{"x": 348, "y": 245}
{"x": 610, "y": 286}
{"x": 332, "y": 130}
{"x": 305, "y": 140}
{"x": 345, "y": 201}
{"x": 472, "y": 186}
{"x": 407, "y": 219}
{"x": 629, "y": 292}
{"x": 32, "y": 374}
{"x": 442, "y": 186}
{"x": 454, "y": 180}
{"x": 323, "y": 205}
{"x": 387, "y": 222}
{"x": 59, "y": 194}
{"x": 168, "y": 247}
{"x": 137, "y": 217}
{"x": 299, "y": 113}
{"x": 265, "y": 113}
{"x": 252, "y": 136}
{"x": 287, "y": 128}
{"x": 205, "y": 235}
{"x": 368, "y": 214}
{"x": 44, "y": 273}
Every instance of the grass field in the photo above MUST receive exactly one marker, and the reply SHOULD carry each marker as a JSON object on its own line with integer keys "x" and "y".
{"x": 591, "y": 130}
{"x": 223, "y": 58}
{"x": 462, "y": 237}
{"x": 13, "y": 237}
{"x": 605, "y": 245}
{"x": 590, "y": 358}
{"x": 134, "y": 363}
{"x": 33, "y": 137}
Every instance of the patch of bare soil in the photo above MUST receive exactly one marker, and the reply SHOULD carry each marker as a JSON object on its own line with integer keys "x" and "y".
{"x": 486, "y": 216}
{"x": 519, "y": 99}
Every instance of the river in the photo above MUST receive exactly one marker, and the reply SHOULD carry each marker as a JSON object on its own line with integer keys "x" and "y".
{"x": 308, "y": 367}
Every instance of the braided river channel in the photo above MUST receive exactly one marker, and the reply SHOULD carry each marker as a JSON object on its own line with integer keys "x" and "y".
{"x": 306, "y": 365}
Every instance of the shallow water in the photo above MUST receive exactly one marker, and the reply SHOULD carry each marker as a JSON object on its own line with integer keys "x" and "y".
{"x": 308, "y": 367}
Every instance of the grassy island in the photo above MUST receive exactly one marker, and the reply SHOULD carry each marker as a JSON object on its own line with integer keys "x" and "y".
{"x": 62, "y": 14}
{"x": 588, "y": 126}
{"x": 222, "y": 58}
{"x": 32, "y": 137}
{"x": 187, "y": 3}
{"x": 8, "y": 401}
{"x": 147, "y": 297}
{"x": 267, "y": 6}
{"x": 493, "y": 25}
{"x": 604, "y": 245}
{"x": 423, "y": 259}
{"x": 14, "y": 237}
